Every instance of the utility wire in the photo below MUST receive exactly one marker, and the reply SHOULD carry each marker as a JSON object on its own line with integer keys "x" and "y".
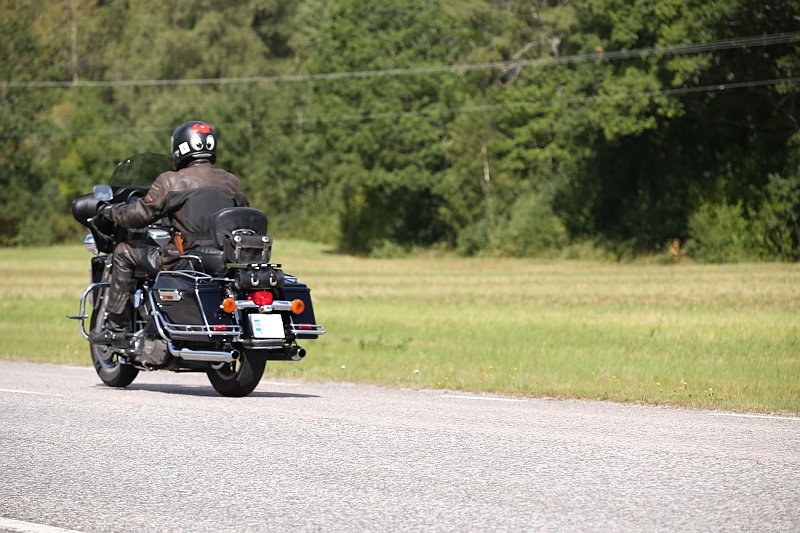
{"x": 725, "y": 44}
{"x": 538, "y": 104}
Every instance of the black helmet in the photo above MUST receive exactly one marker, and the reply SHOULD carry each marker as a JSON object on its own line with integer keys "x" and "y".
{"x": 191, "y": 141}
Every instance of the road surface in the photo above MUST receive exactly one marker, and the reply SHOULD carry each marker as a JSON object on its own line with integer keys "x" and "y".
{"x": 168, "y": 454}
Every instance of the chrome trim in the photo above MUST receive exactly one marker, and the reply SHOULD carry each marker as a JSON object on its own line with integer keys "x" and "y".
{"x": 310, "y": 329}
{"x": 276, "y": 305}
{"x": 170, "y": 295}
{"x": 280, "y": 305}
{"x": 202, "y": 355}
{"x": 198, "y": 330}
{"x": 160, "y": 236}
{"x": 82, "y": 316}
{"x": 157, "y": 318}
{"x": 192, "y": 256}
{"x": 245, "y": 304}
{"x": 257, "y": 266}
{"x": 263, "y": 343}
{"x": 193, "y": 275}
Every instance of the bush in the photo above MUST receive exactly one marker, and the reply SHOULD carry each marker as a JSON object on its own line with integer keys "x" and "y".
{"x": 776, "y": 229}
{"x": 473, "y": 239}
{"x": 531, "y": 230}
{"x": 386, "y": 249}
{"x": 719, "y": 234}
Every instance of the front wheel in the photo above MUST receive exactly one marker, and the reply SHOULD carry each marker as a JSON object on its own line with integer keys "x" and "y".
{"x": 105, "y": 360}
{"x": 238, "y": 378}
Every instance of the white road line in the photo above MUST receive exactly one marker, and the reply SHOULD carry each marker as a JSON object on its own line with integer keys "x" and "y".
{"x": 30, "y": 527}
{"x": 15, "y": 391}
{"x": 487, "y": 398}
{"x": 768, "y": 417}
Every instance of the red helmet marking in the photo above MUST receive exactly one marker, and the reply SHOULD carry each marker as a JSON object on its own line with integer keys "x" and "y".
{"x": 201, "y": 128}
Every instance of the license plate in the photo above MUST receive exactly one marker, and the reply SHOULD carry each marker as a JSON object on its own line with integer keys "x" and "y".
{"x": 267, "y": 326}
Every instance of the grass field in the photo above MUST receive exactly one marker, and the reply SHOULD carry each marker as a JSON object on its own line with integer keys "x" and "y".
{"x": 723, "y": 337}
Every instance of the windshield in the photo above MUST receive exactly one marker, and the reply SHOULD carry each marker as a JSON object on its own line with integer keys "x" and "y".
{"x": 141, "y": 169}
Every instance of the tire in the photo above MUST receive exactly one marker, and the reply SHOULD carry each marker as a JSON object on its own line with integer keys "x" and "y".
{"x": 239, "y": 378}
{"x": 105, "y": 360}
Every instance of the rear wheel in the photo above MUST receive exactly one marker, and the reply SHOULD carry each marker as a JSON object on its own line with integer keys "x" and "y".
{"x": 238, "y": 378}
{"x": 106, "y": 361}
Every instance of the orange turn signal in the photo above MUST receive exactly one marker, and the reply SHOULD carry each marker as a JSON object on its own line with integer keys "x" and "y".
{"x": 229, "y": 305}
{"x": 298, "y": 306}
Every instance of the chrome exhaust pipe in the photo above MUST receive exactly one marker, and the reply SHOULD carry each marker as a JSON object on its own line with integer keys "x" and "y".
{"x": 204, "y": 355}
{"x": 298, "y": 353}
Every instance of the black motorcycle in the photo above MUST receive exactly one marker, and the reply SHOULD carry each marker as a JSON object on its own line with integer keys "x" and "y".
{"x": 225, "y": 311}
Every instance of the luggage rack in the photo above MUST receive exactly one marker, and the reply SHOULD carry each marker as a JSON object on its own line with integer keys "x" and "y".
{"x": 216, "y": 330}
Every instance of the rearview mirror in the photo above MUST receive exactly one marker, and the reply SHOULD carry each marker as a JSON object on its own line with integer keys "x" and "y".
{"x": 104, "y": 193}
{"x": 89, "y": 243}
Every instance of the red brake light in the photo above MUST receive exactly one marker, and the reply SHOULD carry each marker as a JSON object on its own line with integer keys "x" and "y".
{"x": 260, "y": 298}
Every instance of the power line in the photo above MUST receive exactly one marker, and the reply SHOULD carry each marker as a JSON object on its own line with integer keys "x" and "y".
{"x": 725, "y": 44}
{"x": 539, "y": 103}
{"x": 719, "y": 87}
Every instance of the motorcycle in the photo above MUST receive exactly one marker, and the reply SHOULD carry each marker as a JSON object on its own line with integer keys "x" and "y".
{"x": 225, "y": 311}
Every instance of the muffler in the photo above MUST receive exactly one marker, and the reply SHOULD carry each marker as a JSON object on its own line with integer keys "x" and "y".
{"x": 204, "y": 355}
{"x": 297, "y": 353}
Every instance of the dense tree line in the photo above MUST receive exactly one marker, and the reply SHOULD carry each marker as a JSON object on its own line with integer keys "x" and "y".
{"x": 506, "y": 127}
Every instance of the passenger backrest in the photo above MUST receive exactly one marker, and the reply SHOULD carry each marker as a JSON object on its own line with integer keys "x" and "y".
{"x": 226, "y": 221}
{"x": 241, "y": 233}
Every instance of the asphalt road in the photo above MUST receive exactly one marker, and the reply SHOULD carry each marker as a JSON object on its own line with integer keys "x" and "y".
{"x": 168, "y": 454}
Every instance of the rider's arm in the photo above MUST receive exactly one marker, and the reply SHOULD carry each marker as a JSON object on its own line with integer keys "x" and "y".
{"x": 146, "y": 210}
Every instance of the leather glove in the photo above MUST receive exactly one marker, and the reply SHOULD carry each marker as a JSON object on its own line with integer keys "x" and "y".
{"x": 104, "y": 211}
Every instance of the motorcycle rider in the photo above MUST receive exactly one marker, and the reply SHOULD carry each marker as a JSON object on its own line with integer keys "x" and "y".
{"x": 189, "y": 196}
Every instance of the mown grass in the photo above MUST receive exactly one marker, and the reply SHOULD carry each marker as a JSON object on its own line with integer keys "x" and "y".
{"x": 723, "y": 336}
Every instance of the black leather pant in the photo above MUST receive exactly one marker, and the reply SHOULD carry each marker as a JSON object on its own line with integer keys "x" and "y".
{"x": 127, "y": 257}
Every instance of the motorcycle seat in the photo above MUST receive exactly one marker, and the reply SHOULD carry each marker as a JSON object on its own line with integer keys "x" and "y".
{"x": 206, "y": 259}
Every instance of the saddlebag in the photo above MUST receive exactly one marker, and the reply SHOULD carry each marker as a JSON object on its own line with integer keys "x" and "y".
{"x": 247, "y": 249}
{"x": 259, "y": 278}
{"x": 188, "y": 305}
{"x": 294, "y": 289}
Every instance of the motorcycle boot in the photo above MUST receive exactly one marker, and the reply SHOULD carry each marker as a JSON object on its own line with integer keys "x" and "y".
{"x": 115, "y": 333}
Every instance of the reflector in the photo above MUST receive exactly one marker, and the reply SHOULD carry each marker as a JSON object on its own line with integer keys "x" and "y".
{"x": 229, "y": 305}
{"x": 298, "y": 306}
